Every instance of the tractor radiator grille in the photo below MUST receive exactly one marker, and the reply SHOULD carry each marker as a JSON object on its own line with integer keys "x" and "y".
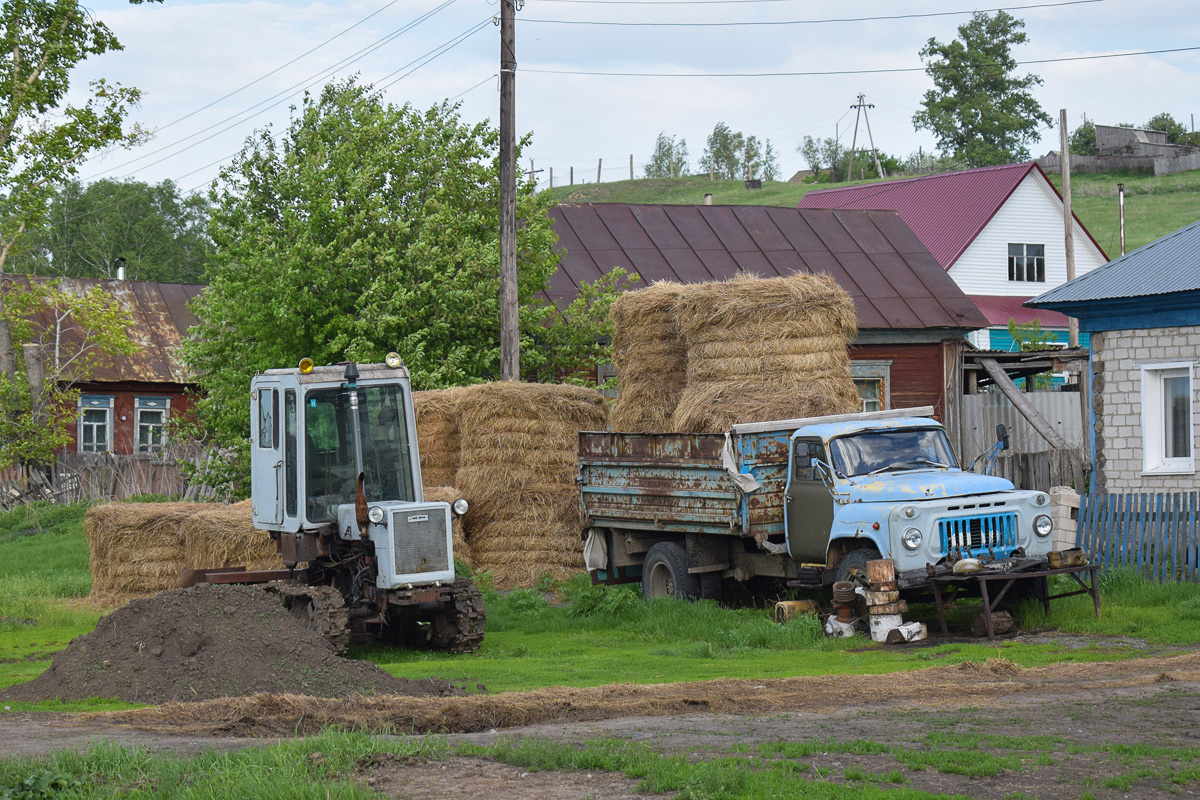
{"x": 997, "y": 531}
{"x": 419, "y": 540}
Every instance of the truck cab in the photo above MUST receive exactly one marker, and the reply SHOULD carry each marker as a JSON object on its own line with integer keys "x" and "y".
{"x": 894, "y": 489}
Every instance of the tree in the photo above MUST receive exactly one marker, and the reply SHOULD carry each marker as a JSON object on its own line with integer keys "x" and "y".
{"x": 63, "y": 337}
{"x": 1083, "y": 139}
{"x": 1175, "y": 130}
{"x": 810, "y": 148}
{"x": 42, "y": 139}
{"x": 363, "y": 228}
{"x": 980, "y": 112}
{"x": 159, "y": 233}
{"x": 770, "y": 163}
{"x": 833, "y": 153}
{"x": 723, "y": 153}
{"x": 670, "y": 158}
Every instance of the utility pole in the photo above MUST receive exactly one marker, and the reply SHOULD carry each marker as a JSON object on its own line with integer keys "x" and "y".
{"x": 861, "y": 109}
{"x": 510, "y": 342}
{"x": 533, "y": 172}
{"x": 1121, "y": 213}
{"x": 1068, "y": 219}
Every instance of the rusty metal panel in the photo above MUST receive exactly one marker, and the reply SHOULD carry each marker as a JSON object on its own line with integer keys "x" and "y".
{"x": 624, "y": 226}
{"x": 761, "y": 226}
{"x": 833, "y": 234}
{"x": 866, "y": 235}
{"x": 659, "y": 227}
{"x": 591, "y": 230}
{"x": 694, "y": 228}
{"x": 728, "y": 228}
{"x": 687, "y": 266}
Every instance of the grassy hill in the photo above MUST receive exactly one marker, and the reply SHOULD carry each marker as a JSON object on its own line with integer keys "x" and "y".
{"x": 1154, "y": 206}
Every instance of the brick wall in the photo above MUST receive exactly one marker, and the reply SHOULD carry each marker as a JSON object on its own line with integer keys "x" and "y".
{"x": 1118, "y": 358}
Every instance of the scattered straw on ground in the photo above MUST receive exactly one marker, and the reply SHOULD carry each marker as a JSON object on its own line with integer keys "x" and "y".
{"x": 269, "y": 714}
{"x": 650, "y": 358}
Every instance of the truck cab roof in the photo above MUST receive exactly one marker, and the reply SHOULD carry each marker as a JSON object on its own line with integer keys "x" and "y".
{"x": 828, "y": 430}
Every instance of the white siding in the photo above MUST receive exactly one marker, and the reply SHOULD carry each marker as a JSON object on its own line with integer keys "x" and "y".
{"x": 1031, "y": 215}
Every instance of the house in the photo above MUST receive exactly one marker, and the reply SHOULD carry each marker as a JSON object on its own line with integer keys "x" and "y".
{"x": 124, "y": 408}
{"x": 1143, "y": 313}
{"x": 1135, "y": 149}
{"x": 997, "y": 231}
{"x": 911, "y": 316}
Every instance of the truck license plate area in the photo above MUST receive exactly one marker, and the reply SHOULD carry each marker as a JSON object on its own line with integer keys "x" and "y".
{"x": 977, "y": 533}
{"x": 419, "y": 540}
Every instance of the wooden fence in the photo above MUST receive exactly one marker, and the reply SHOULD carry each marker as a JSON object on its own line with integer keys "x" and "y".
{"x": 104, "y": 476}
{"x": 1040, "y": 471}
{"x": 1158, "y": 535}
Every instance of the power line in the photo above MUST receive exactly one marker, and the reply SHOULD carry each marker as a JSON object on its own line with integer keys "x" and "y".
{"x": 436, "y": 53}
{"x": 840, "y": 71}
{"x": 885, "y": 17}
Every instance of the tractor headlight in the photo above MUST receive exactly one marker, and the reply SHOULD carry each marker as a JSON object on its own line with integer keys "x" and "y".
{"x": 460, "y": 507}
{"x": 1042, "y": 525}
{"x": 392, "y": 360}
{"x": 911, "y": 539}
{"x": 375, "y": 514}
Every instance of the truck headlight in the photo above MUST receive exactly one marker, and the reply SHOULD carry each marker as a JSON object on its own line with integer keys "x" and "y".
{"x": 460, "y": 506}
{"x": 375, "y": 514}
{"x": 1042, "y": 525}
{"x": 911, "y": 539}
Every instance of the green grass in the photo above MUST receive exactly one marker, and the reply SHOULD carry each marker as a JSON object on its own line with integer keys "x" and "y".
{"x": 1154, "y": 206}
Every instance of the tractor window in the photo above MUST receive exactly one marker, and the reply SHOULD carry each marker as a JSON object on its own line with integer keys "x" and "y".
{"x": 330, "y": 448}
{"x": 268, "y": 416}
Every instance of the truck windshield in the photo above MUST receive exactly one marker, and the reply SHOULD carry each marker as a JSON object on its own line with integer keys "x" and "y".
{"x": 329, "y": 448}
{"x": 896, "y": 449}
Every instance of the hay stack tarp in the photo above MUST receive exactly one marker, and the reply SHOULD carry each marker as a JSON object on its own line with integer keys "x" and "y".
{"x": 650, "y": 358}
{"x": 437, "y": 435}
{"x": 760, "y": 349}
{"x": 517, "y": 469}
{"x": 448, "y": 494}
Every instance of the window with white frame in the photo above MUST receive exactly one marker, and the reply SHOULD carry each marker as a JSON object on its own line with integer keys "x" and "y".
{"x": 150, "y": 422}
{"x": 873, "y": 384}
{"x": 95, "y": 424}
{"x": 1167, "y": 403}
{"x": 1027, "y": 262}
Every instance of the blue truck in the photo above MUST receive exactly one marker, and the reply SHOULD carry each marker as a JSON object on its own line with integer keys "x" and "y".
{"x": 808, "y": 501}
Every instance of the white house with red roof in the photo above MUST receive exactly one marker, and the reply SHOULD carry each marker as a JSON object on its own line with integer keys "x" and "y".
{"x": 998, "y": 232}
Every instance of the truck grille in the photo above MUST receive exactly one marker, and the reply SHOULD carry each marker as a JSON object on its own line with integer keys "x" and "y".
{"x": 419, "y": 540}
{"x": 997, "y": 531}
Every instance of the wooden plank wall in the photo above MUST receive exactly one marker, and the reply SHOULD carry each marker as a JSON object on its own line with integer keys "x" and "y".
{"x": 1154, "y": 534}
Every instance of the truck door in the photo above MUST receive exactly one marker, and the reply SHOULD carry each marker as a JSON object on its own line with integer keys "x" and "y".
{"x": 808, "y": 506}
{"x": 266, "y": 453}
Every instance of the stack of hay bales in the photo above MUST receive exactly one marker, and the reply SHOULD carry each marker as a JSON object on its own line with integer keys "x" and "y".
{"x": 448, "y": 494}
{"x": 760, "y": 349}
{"x": 650, "y": 358}
{"x": 139, "y": 549}
{"x": 437, "y": 435}
{"x": 517, "y": 467}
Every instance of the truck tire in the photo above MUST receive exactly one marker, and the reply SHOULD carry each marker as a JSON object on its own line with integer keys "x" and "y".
{"x": 665, "y": 573}
{"x": 854, "y": 564}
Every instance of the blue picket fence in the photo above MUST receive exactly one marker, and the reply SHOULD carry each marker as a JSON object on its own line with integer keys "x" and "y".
{"x": 1157, "y": 535}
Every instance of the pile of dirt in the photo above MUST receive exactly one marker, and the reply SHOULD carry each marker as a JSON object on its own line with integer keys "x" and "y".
{"x": 209, "y": 642}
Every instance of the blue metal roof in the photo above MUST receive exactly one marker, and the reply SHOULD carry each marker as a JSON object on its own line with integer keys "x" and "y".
{"x": 1165, "y": 266}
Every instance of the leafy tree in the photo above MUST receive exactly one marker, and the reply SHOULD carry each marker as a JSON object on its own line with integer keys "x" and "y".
{"x": 1082, "y": 140}
{"x": 834, "y": 154}
{"x": 42, "y": 138}
{"x": 769, "y": 167}
{"x": 980, "y": 112}
{"x": 670, "y": 158}
{"x": 1176, "y": 131}
{"x": 810, "y": 148}
{"x": 723, "y": 153}
{"x": 74, "y": 335}
{"x": 159, "y": 233}
{"x": 1030, "y": 336}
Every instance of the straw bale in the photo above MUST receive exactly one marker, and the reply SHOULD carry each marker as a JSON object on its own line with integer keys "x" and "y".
{"x": 136, "y": 548}
{"x": 517, "y": 469}
{"x": 437, "y": 435}
{"x": 448, "y": 494}
{"x": 218, "y": 535}
{"x": 650, "y": 358}
{"x": 762, "y": 349}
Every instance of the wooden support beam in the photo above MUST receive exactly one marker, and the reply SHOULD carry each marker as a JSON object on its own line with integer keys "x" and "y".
{"x": 1023, "y": 405}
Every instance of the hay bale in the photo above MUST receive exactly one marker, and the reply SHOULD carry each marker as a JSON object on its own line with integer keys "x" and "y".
{"x": 650, "y": 358}
{"x": 448, "y": 494}
{"x": 517, "y": 469}
{"x": 218, "y": 535}
{"x": 136, "y": 549}
{"x": 437, "y": 435}
{"x": 760, "y": 349}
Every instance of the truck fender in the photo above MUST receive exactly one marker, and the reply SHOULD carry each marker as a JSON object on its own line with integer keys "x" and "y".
{"x": 840, "y": 546}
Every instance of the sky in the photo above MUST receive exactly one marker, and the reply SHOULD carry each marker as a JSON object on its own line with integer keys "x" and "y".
{"x": 214, "y": 72}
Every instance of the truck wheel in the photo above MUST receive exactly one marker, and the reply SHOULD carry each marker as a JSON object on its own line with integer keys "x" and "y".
{"x": 665, "y": 573}
{"x": 854, "y": 564}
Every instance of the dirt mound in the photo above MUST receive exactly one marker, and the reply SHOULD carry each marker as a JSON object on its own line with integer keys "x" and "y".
{"x": 208, "y": 642}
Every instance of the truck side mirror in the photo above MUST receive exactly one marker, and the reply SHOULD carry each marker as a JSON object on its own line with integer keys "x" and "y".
{"x": 1002, "y": 436}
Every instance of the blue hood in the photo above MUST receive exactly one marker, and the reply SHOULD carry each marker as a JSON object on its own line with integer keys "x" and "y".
{"x": 923, "y": 484}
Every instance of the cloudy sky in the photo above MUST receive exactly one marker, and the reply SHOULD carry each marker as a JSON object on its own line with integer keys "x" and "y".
{"x": 590, "y": 90}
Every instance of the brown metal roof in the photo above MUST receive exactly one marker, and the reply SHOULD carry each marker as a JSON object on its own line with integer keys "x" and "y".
{"x": 160, "y": 320}
{"x": 893, "y": 279}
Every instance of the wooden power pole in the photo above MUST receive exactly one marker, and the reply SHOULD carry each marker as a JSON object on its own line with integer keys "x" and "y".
{"x": 1068, "y": 219}
{"x": 510, "y": 342}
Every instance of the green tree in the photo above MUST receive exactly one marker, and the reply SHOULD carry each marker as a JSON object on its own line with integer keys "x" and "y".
{"x": 1176, "y": 131}
{"x": 835, "y": 155}
{"x": 42, "y": 137}
{"x": 1083, "y": 139}
{"x": 723, "y": 153}
{"x": 1030, "y": 336}
{"x": 979, "y": 110}
{"x": 810, "y": 148}
{"x": 670, "y": 158}
{"x": 363, "y": 228}
{"x": 769, "y": 166}
{"x": 71, "y": 336}
{"x": 159, "y": 233}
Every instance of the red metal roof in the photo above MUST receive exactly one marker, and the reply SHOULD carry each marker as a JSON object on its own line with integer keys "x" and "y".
{"x": 159, "y": 317}
{"x": 999, "y": 310}
{"x": 894, "y": 281}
